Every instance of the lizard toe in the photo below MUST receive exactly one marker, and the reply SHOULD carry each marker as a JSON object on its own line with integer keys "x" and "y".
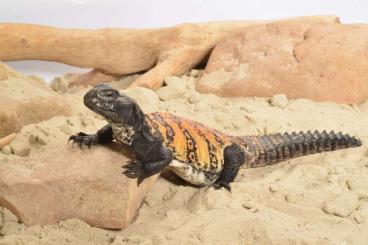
{"x": 220, "y": 185}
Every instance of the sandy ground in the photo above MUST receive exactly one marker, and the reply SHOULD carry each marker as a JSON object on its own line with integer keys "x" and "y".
{"x": 318, "y": 199}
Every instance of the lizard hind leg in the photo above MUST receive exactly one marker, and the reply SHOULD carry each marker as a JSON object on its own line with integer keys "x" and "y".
{"x": 234, "y": 157}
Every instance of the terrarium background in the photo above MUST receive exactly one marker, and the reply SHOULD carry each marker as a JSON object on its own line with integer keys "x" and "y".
{"x": 158, "y": 13}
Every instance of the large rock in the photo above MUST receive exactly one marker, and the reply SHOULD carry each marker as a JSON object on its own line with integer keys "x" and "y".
{"x": 26, "y": 100}
{"x": 71, "y": 183}
{"x": 323, "y": 62}
{"x": 114, "y": 52}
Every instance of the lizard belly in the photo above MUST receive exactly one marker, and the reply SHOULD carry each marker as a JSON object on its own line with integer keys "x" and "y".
{"x": 191, "y": 174}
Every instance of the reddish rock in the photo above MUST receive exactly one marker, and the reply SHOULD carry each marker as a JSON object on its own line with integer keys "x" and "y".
{"x": 71, "y": 183}
{"x": 26, "y": 100}
{"x": 319, "y": 61}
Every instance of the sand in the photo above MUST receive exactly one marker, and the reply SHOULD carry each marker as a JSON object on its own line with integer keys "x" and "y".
{"x": 317, "y": 199}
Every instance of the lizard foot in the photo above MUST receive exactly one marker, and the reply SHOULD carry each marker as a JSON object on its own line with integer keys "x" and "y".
{"x": 83, "y": 139}
{"x": 219, "y": 185}
{"x": 134, "y": 169}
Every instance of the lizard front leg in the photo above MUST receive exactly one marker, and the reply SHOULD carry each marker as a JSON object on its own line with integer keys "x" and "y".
{"x": 234, "y": 157}
{"x": 103, "y": 136}
{"x": 153, "y": 162}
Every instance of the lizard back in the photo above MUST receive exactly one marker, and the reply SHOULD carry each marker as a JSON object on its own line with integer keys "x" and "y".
{"x": 192, "y": 142}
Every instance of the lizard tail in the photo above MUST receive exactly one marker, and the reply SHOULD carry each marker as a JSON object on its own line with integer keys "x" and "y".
{"x": 275, "y": 148}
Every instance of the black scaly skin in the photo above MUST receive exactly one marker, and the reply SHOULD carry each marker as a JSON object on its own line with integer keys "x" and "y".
{"x": 195, "y": 152}
{"x": 281, "y": 147}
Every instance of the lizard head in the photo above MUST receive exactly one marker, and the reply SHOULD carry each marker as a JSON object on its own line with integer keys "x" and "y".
{"x": 113, "y": 106}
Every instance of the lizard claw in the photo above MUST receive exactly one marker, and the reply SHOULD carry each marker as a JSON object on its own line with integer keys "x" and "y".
{"x": 134, "y": 170}
{"x": 82, "y": 139}
{"x": 219, "y": 185}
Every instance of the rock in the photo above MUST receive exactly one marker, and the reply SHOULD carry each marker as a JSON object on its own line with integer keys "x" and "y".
{"x": 175, "y": 82}
{"x": 146, "y": 98}
{"x": 169, "y": 93}
{"x": 6, "y": 150}
{"x": 114, "y": 52}
{"x": 60, "y": 84}
{"x": 25, "y": 100}
{"x": 342, "y": 205}
{"x": 323, "y": 62}
{"x": 195, "y": 73}
{"x": 20, "y": 148}
{"x": 279, "y": 100}
{"x": 68, "y": 183}
{"x": 361, "y": 214}
{"x": 194, "y": 97}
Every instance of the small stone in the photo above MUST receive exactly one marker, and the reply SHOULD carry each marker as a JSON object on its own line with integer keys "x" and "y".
{"x": 333, "y": 178}
{"x": 342, "y": 205}
{"x": 248, "y": 205}
{"x": 66, "y": 129}
{"x": 6, "y": 149}
{"x": 85, "y": 121}
{"x": 59, "y": 84}
{"x": 279, "y": 100}
{"x": 37, "y": 139}
{"x": 358, "y": 218}
{"x": 274, "y": 188}
{"x": 20, "y": 147}
{"x": 146, "y": 98}
{"x": 176, "y": 82}
{"x": 194, "y": 97}
{"x": 358, "y": 184}
{"x": 250, "y": 118}
{"x": 169, "y": 93}
{"x": 195, "y": 73}
{"x": 294, "y": 198}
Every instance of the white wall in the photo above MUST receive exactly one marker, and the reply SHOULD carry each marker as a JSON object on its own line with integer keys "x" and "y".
{"x": 157, "y": 13}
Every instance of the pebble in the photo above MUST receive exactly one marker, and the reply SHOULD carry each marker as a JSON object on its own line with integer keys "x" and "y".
{"x": 358, "y": 218}
{"x": 274, "y": 188}
{"x": 167, "y": 93}
{"x": 85, "y": 121}
{"x": 66, "y": 129}
{"x": 59, "y": 84}
{"x": 146, "y": 98}
{"x": 172, "y": 81}
{"x": 37, "y": 139}
{"x": 6, "y": 149}
{"x": 279, "y": 100}
{"x": 194, "y": 97}
{"x": 342, "y": 205}
{"x": 195, "y": 73}
{"x": 20, "y": 148}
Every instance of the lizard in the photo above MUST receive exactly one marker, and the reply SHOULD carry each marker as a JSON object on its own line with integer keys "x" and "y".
{"x": 200, "y": 155}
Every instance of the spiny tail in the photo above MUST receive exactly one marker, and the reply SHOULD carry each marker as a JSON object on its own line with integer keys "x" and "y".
{"x": 275, "y": 148}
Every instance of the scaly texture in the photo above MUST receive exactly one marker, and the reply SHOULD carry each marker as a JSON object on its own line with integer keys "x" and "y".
{"x": 195, "y": 152}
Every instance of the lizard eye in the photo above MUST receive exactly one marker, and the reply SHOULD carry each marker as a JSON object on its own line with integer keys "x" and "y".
{"x": 109, "y": 93}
